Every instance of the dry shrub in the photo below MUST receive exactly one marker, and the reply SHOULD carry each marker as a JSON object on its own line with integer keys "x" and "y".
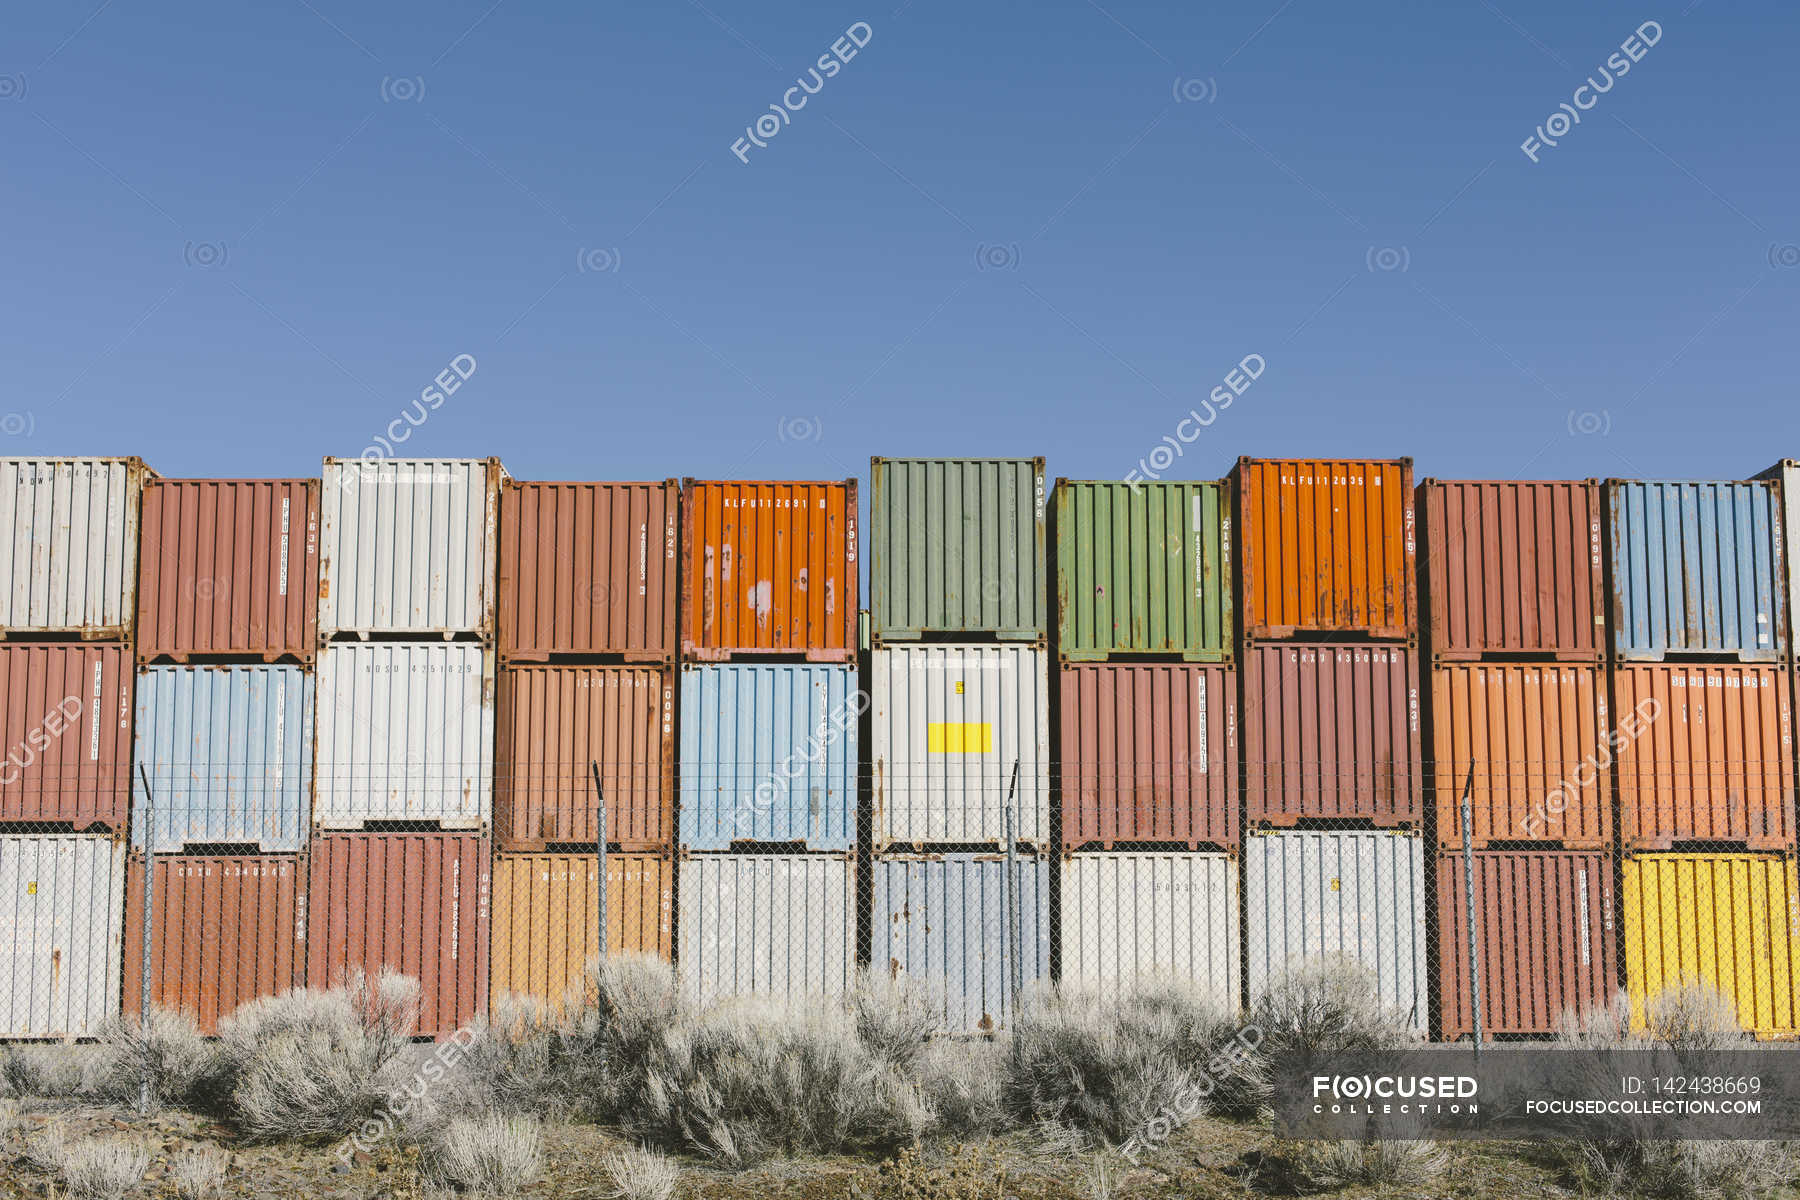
{"x": 199, "y": 1173}
{"x": 103, "y": 1168}
{"x": 640, "y": 1173}
{"x": 487, "y": 1155}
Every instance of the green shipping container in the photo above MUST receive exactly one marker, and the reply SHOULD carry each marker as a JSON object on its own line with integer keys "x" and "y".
{"x": 958, "y": 548}
{"x": 1142, "y": 569}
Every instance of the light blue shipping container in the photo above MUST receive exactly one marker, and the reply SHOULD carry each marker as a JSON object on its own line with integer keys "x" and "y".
{"x": 769, "y": 754}
{"x": 941, "y": 920}
{"x": 229, "y": 754}
{"x": 1696, "y": 569}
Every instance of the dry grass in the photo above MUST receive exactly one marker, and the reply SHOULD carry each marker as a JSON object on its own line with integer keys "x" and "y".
{"x": 496, "y": 1155}
{"x": 640, "y": 1173}
{"x": 199, "y": 1173}
{"x": 103, "y": 1168}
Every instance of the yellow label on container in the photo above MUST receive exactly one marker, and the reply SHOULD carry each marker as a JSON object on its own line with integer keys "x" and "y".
{"x": 958, "y": 737}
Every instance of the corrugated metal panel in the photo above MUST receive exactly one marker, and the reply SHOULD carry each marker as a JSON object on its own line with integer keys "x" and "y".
{"x": 65, "y": 712}
{"x": 1149, "y": 754}
{"x": 941, "y": 919}
{"x": 588, "y": 568}
{"x": 1359, "y": 895}
{"x": 547, "y": 917}
{"x": 781, "y": 924}
{"x": 770, "y": 568}
{"x": 408, "y": 545}
{"x": 1514, "y": 566}
{"x": 1695, "y": 567}
{"x": 555, "y": 721}
{"x": 958, "y": 547}
{"x": 1712, "y": 759}
{"x": 406, "y": 733}
{"x": 1787, "y": 474}
{"x": 769, "y": 754}
{"x": 416, "y": 902}
{"x": 1536, "y": 736}
{"x": 1721, "y": 920}
{"x": 1143, "y": 568}
{"x": 225, "y": 929}
{"x": 948, "y": 724}
{"x": 62, "y": 900}
{"x": 1331, "y": 731}
{"x": 1128, "y": 916}
{"x": 1545, "y": 926}
{"x": 1327, "y": 545}
{"x": 71, "y": 560}
{"x": 229, "y": 755}
{"x": 229, "y": 566}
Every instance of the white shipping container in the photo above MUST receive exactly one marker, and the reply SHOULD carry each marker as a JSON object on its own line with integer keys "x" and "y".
{"x": 408, "y": 545}
{"x": 68, "y": 562}
{"x": 1134, "y": 915}
{"x": 62, "y": 906}
{"x": 949, "y": 723}
{"x": 770, "y": 924}
{"x": 405, "y": 733}
{"x": 1354, "y": 894}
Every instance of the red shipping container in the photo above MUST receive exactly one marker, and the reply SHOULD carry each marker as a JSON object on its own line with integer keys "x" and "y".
{"x": 1546, "y": 937}
{"x": 229, "y": 567}
{"x": 769, "y": 568}
{"x": 67, "y": 725}
{"x": 1332, "y": 731}
{"x": 224, "y": 930}
{"x": 554, "y": 721}
{"x": 588, "y": 568}
{"x": 415, "y": 902}
{"x": 1327, "y": 546}
{"x": 1149, "y": 754}
{"x": 1513, "y": 567}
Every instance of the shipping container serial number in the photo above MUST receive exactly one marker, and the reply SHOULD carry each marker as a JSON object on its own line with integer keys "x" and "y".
{"x": 1693, "y": 1085}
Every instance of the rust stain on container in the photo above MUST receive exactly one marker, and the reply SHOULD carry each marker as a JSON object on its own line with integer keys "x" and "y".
{"x": 1546, "y": 928}
{"x": 588, "y": 568}
{"x": 547, "y": 917}
{"x": 1514, "y": 566}
{"x": 416, "y": 902}
{"x": 1536, "y": 736}
{"x": 1327, "y": 546}
{"x": 228, "y": 566}
{"x": 65, "y": 715}
{"x": 1332, "y": 730}
{"x": 556, "y": 720}
{"x": 769, "y": 568}
{"x": 225, "y": 929}
{"x": 1149, "y": 754}
{"x": 1705, "y": 755}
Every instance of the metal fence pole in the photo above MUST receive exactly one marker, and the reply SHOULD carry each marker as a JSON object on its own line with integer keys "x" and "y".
{"x": 1015, "y": 960}
{"x": 149, "y": 827}
{"x": 600, "y": 842}
{"x": 1468, "y": 857}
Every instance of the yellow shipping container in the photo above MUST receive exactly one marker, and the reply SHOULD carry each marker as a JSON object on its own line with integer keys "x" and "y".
{"x": 1726, "y": 920}
{"x": 546, "y": 917}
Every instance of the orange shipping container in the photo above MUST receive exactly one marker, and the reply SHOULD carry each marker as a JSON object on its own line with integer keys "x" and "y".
{"x": 554, "y": 721}
{"x": 588, "y": 568}
{"x": 547, "y": 917}
{"x": 224, "y": 930}
{"x": 1535, "y": 736}
{"x": 1328, "y": 546}
{"x": 1704, "y": 755}
{"x": 769, "y": 568}
{"x": 228, "y": 566}
{"x": 65, "y": 712}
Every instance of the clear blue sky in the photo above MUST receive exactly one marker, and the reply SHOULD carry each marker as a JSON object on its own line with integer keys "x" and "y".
{"x": 1160, "y": 189}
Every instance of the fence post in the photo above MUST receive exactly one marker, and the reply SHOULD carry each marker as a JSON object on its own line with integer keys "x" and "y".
{"x": 600, "y": 842}
{"x": 149, "y": 827}
{"x": 1015, "y": 957}
{"x": 1468, "y": 857}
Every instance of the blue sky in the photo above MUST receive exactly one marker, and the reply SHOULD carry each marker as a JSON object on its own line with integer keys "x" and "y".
{"x": 240, "y": 237}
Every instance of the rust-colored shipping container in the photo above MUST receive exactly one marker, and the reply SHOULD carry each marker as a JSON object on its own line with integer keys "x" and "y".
{"x": 1512, "y": 566}
{"x": 1149, "y": 754}
{"x": 1545, "y": 928}
{"x": 1327, "y": 546}
{"x": 769, "y": 568}
{"x": 416, "y": 902}
{"x": 224, "y": 930}
{"x": 1332, "y": 730}
{"x": 1704, "y": 755}
{"x": 1535, "y": 735}
{"x": 228, "y": 566}
{"x": 547, "y": 917}
{"x": 554, "y": 721}
{"x": 588, "y": 568}
{"x": 65, "y": 714}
